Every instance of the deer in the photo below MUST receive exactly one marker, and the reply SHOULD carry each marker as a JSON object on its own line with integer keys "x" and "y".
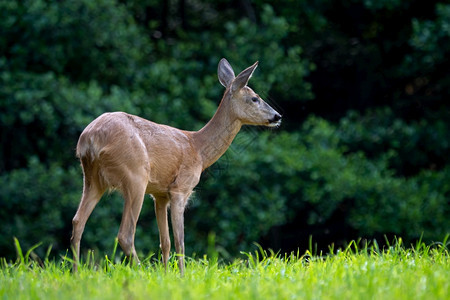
{"x": 124, "y": 152}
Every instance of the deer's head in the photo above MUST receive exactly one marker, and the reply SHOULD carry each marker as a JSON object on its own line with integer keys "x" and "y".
{"x": 247, "y": 106}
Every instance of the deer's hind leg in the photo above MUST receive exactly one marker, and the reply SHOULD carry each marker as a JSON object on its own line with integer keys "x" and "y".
{"x": 133, "y": 189}
{"x": 92, "y": 192}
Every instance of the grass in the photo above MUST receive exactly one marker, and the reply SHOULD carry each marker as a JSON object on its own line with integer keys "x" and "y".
{"x": 396, "y": 272}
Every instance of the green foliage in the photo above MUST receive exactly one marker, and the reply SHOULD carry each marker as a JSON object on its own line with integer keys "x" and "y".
{"x": 79, "y": 39}
{"x": 408, "y": 146}
{"x": 35, "y": 203}
{"x": 430, "y": 39}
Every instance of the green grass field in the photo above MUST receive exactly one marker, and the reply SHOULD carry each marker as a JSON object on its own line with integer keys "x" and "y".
{"x": 396, "y": 272}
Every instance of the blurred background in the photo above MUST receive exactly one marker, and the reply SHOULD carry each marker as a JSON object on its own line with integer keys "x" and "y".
{"x": 363, "y": 86}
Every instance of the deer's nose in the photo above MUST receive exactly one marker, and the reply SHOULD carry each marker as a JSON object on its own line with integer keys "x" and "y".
{"x": 276, "y": 118}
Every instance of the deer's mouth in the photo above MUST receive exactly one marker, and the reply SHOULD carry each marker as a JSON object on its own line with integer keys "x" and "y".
{"x": 274, "y": 124}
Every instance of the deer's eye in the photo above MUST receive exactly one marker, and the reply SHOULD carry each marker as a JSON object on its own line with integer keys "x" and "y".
{"x": 255, "y": 99}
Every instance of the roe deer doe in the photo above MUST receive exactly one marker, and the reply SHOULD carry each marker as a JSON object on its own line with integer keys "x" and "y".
{"x": 136, "y": 156}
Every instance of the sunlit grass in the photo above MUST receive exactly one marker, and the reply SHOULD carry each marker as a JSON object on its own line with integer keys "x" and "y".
{"x": 357, "y": 272}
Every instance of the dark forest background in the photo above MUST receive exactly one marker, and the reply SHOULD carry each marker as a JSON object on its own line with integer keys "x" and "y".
{"x": 363, "y": 86}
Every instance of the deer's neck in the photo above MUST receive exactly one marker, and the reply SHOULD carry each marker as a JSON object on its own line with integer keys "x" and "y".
{"x": 216, "y": 136}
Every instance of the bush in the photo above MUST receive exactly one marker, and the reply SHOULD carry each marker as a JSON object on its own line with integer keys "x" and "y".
{"x": 78, "y": 39}
{"x": 35, "y": 204}
{"x": 408, "y": 146}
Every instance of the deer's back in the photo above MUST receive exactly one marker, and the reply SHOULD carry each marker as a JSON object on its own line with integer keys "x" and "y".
{"x": 122, "y": 141}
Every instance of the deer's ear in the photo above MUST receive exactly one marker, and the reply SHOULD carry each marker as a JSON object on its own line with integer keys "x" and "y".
{"x": 225, "y": 72}
{"x": 242, "y": 79}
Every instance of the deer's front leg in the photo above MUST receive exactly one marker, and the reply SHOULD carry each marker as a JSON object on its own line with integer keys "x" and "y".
{"x": 177, "y": 205}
